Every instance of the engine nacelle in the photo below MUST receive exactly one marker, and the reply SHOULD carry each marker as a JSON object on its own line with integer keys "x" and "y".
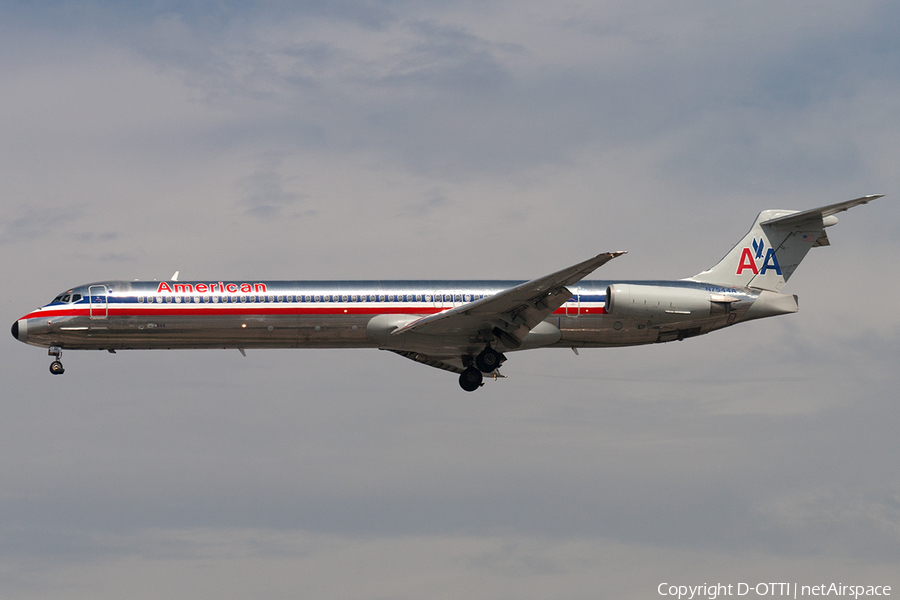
{"x": 664, "y": 304}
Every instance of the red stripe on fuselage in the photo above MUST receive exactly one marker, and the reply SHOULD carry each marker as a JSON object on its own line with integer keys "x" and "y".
{"x": 201, "y": 310}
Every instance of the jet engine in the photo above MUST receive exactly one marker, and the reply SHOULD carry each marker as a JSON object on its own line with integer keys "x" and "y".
{"x": 664, "y": 303}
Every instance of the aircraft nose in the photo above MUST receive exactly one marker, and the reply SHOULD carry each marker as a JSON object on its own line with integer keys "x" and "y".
{"x": 17, "y": 332}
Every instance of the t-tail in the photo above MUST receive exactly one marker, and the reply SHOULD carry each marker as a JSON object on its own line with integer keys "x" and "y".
{"x": 773, "y": 248}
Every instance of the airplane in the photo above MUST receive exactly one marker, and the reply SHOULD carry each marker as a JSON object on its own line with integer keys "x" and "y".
{"x": 465, "y": 327}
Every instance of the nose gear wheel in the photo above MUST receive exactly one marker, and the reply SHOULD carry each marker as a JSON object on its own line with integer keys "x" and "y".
{"x": 56, "y": 367}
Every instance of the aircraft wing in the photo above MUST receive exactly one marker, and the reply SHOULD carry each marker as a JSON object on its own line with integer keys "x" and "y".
{"x": 819, "y": 213}
{"x": 512, "y": 313}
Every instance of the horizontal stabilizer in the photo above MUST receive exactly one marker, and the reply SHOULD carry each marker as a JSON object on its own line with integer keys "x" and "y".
{"x": 815, "y": 214}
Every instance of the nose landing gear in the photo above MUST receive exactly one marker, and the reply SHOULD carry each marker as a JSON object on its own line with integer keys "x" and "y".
{"x": 56, "y": 367}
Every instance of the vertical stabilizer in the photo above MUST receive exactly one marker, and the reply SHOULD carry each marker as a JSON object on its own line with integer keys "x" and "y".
{"x": 770, "y": 252}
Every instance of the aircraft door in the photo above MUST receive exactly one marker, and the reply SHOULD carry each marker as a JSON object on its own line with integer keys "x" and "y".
{"x": 97, "y": 302}
{"x": 573, "y": 306}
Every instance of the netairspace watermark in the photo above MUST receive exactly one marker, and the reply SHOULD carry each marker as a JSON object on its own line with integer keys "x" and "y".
{"x": 791, "y": 590}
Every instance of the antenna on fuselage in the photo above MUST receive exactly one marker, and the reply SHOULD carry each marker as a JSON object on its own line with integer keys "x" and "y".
{"x": 174, "y": 276}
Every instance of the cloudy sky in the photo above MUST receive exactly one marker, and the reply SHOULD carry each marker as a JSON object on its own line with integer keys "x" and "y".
{"x": 456, "y": 139}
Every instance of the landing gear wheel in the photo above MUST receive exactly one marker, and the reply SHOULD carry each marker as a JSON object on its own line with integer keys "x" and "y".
{"x": 488, "y": 360}
{"x": 56, "y": 368}
{"x": 471, "y": 379}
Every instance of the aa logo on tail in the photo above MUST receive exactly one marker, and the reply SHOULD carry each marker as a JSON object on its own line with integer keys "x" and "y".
{"x": 750, "y": 257}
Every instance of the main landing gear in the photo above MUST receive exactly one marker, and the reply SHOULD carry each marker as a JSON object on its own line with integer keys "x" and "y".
{"x": 56, "y": 367}
{"x": 486, "y": 362}
{"x": 471, "y": 379}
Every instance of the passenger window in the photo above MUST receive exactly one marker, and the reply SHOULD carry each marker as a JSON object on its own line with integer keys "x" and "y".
{"x": 381, "y": 298}
{"x": 344, "y": 298}
{"x": 140, "y": 298}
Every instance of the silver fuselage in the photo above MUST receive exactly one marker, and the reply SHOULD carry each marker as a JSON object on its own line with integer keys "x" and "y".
{"x": 118, "y": 315}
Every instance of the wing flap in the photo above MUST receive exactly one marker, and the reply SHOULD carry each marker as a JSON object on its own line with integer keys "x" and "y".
{"x": 437, "y": 363}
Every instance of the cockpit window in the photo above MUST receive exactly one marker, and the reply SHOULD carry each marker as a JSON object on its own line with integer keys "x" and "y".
{"x": 67, "y": 297}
